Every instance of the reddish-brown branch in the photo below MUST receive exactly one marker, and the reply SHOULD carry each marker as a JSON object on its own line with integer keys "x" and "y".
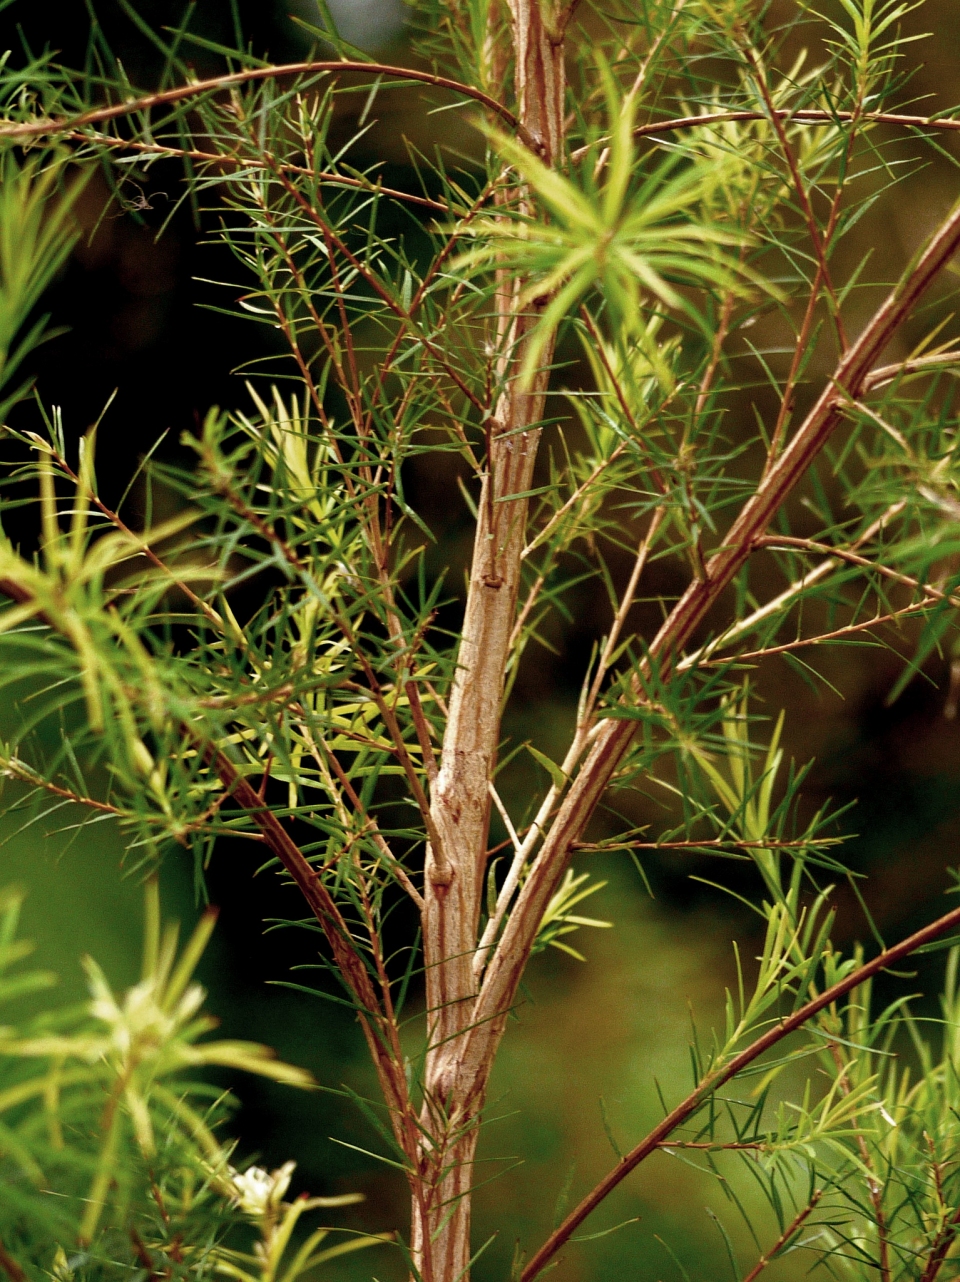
{"x": 942, "y": 1243}
{"x": 16, "y": 770}
{"x": 802, "y": 116}
{"x": 852, "y": 558}
{"x": 724, "y": 1072}
{"x": 140, "y": 543}
{"x": 614, "y": 737}
{"x": 823, "y": 638}
{"x": 380, "y": 1032}
{"x": 9, "y": 1265}
{"x": 817, "y": 239}
{"x": 791, "y": 1229}
{"x": 182, "y": 93}
{"x": 873, "y": 1184}
{"x": 332, "y": 178}
{"x": 710, "y": 843}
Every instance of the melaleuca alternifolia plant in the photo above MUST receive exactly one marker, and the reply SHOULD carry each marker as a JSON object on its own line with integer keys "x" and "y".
{"x": 647, "y": 182}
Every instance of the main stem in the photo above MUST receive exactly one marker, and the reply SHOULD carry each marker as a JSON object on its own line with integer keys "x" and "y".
{"x": 460, "y": 800}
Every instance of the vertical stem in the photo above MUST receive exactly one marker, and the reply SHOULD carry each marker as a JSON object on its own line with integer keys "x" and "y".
{"x": 460, "y": 797}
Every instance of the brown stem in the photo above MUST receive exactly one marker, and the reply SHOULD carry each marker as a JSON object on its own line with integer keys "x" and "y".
{"x": 380, "y": 1032}
{"x": 841, "y": 554}
{"x": 873, "y": 1184}
{"x": 616, "y": 734}
{"x": 784, "y": 1237}
{"x": 460, "y": 796}
{"x": 802, "y": 116}
{"x": 723, "y": 1073}
{"x": 711, "y": 843}
{"x": 838, "y": 634}
{"x": 332, "y": 178}
{"x": 919, "y": 365}
{"x": 137, "y": 106}
{"x": 23, "y": 774}
{"x": 10, "y": 1266}
{"x": 800, "y": 188}
{"x": 942, "y": 1243}
{"x": 772, "y": 607}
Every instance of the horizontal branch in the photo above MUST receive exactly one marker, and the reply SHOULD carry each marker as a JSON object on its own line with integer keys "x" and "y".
{"x": 709, "y": 843}
{"x": 788, "y": 542}
{"x": 824, "y": 638}
{"x": 918, "y": 365}
{"x": 182, "y": 93}
{"x": 158, "y": 150}
{"x": 723, "y": 1073}
{"x": 21, "y": 772}
{"x": 802, "y": 116}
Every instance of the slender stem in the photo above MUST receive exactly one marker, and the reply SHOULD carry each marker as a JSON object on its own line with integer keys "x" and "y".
{"x": 332, "y": 178}
{"x": 379, "y": 1031}
{"x": 615, "y": 735}
{"x": 772, "y": 608}
{"x": 822, "y": 638}
{"x": 182, "y": 93}
{"x": 853, "y": 558}
{"x": 784, "y": 1237}
{"x": 800, "y": 188}
{"x": 15, "y": 769}
{"x": 873, "y": 1184}
{"x": 917, "y": 365}
{"x": 723, "y": 1073}
{"x": 942, "y": 1243}
{"x": 801, "y": 116}
{"x": 709, "y": 843}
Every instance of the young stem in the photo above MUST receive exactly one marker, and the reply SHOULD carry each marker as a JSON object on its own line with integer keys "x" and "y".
{"x": 723, "y": 1073}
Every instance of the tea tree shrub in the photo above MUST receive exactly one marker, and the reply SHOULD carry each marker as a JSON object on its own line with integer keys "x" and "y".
{"x": 643, "y": 193}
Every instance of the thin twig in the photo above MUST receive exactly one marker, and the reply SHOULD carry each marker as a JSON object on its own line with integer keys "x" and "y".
{"x": 873, "y": 1184}
{"x": 822, "y": 638}
{"x": 787, "y": 541}
{"x": 802, "y": 116}
{"x": 724, "y": 1072}
{"x": 942, "y": 1243}
{"x": 332, "y": 178}
{"x": 917, "y": 365}
{"x": 737, "y": 630}
{"x": 784, "y": 1237}
{"x": 165, "y": 97}
{"x": 800, "y": 188}
{"x": 709, "y": 843}
{"x": 18, "y": 770}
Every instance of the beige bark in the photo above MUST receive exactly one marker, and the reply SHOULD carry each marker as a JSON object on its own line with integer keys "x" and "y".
{"x": 460, "y": 798}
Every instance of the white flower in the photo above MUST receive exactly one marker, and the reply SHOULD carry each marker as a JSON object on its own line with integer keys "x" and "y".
{"x": 259, "y": 1191}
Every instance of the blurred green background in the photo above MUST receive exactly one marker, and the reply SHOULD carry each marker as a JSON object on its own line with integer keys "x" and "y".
{"x": 600, "y": 1031}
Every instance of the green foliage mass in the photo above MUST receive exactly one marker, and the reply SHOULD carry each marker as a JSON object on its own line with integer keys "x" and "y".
{"x": 647, "y": 299}
{"x": 110, "y": 1158}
